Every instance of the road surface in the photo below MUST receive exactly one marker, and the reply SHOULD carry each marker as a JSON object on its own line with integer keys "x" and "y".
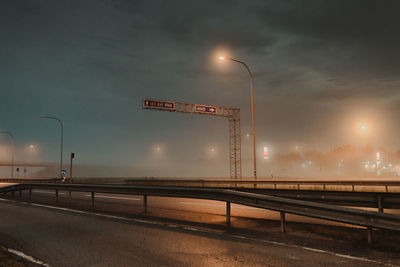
{"x": 175, "y": 232}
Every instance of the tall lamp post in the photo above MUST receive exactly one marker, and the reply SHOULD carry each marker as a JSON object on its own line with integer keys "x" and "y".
{"x": 252, "y": 109}
{"x": 12, "y": 152}
{"x": 62, "y": 133}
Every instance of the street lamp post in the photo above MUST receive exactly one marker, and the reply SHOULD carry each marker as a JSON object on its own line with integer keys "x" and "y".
{"x": 12, "y": 152}
{"x": 252, "y": 110}
{"x": 62, "y": 133}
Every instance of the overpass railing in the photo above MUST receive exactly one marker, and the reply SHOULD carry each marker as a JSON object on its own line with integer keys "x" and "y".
{"x": 368, "y": 219}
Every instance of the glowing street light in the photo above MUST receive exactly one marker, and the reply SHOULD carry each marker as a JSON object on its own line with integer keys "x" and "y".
{"x": 12, "y": 151}
{"x": 62, "y": 133}
{"x": 252, "y": 108}
{"x": 363, "y": 127}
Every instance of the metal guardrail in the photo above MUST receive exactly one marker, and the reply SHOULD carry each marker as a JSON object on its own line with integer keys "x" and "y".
{"x": 369, "y": 219}
{"x": 227, "y": 183}
{"x": 30, "y": 180}
{"x": 293, "y": 190}
{"x": 379, "y": 200}
{"x": 297, "y": 184}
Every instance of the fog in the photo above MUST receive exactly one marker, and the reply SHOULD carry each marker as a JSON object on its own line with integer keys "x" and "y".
{"x": 326, "y": 86}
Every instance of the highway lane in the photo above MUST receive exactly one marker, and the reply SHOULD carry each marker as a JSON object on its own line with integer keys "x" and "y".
{"x": 62, "y": 237}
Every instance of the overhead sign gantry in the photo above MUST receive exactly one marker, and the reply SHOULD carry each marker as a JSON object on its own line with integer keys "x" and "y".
{"x": 233, "y": 115}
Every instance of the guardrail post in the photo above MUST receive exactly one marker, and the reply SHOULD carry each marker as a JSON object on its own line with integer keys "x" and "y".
{"x": 380, "y": 204}
{"x": 145, "y": 203}
{"x": 369, "y": 233}
{"x": 30, "y": 194}
{"x": 352, "y": 187}
{"x": 386, "y": 188}
{"x": 283, "y": 223}
{"x": 57, "y": 195}
{"x": 324, "y": 187}
{"x": 92, "y": 199}
{"x": 228, "y": 213}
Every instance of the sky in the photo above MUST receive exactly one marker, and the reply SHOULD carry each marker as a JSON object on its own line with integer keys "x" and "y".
{"x": 321, "y": 69}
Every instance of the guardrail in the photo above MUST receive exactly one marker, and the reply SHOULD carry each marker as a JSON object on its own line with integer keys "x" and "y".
{"x": 295, "y": 184}
{"x": 353, "y": 216}
{"x": 30, "y": 180}
{"x": 379, "y": 200}
{"x": 327, "y": 185}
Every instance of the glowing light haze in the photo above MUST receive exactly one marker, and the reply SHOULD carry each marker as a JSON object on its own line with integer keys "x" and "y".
{"x": 326, "y": 74}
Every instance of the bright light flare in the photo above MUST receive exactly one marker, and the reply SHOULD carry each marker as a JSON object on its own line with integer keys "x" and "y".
{"x": 221, "y": 58}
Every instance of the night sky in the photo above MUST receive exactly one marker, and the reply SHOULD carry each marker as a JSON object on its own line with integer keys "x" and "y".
{"x": 321, "y": 69}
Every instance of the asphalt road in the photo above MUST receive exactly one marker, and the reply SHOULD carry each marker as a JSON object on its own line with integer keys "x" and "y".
{"x": 174, "y": 232}
{"x": 60, "y": 237}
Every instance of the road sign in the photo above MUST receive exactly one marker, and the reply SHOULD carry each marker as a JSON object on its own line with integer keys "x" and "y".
{"x": 158, "y": 104}
{"x": 266, "y": 156}
{"x": 205, "y": 109}
{"x": 63, "y": 172}
{"x": 233, "y": 115}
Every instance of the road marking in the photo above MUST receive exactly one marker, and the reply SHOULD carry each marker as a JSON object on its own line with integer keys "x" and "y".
{"x": 207, "y": 232}
{"x": 124, "y": 198}
{"x": 216, "y": 205}
{"x": 26, "y": 257}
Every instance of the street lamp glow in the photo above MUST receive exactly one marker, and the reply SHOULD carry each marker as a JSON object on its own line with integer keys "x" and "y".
{"x": 363, "y": 127}
{"x": 221, "y": 58}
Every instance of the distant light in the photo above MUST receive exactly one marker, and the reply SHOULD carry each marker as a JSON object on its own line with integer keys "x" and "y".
{"x": 366, "y": 166}
{"x": 212, "y": 149}
{"x": 221, "y": 58}
{"x": 158, "y": 149}
{"x": 31, "y": 146}
{"x": 363, "y": 127}
{"x": 265, "y": 149}
{"x": 247, "y": 135}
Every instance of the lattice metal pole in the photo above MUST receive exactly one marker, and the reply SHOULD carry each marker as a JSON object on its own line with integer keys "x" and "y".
{"x": 235, "y": 145}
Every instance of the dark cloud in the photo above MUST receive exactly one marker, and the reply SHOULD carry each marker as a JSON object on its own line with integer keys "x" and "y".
{"x": 91, "y": 63}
